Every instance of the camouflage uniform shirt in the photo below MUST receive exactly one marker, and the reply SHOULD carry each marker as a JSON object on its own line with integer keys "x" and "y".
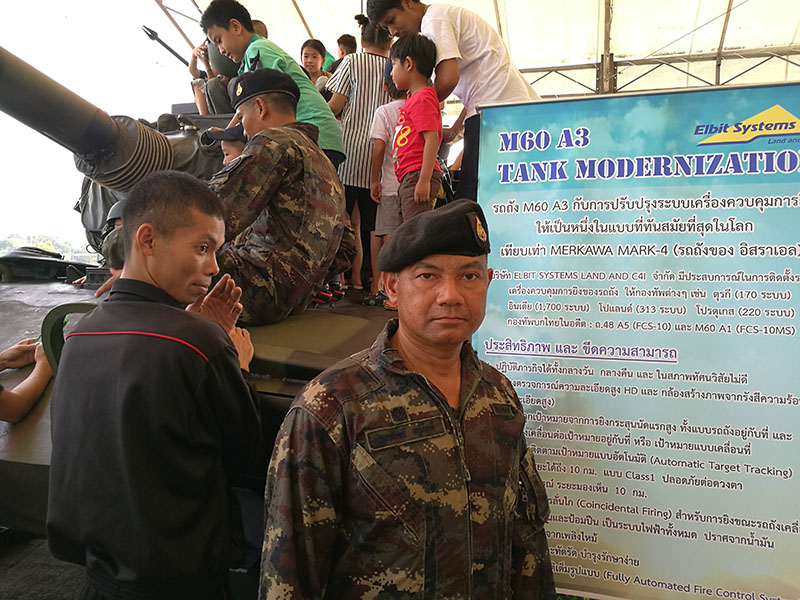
{"x": 378, "y": 489}
{"x": 285, "y": 221}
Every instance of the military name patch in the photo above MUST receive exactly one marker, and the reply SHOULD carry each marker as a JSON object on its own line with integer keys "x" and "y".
{"x": 405, "y": 433}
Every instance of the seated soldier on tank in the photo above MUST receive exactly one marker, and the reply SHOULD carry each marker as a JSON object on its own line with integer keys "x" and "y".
{"x": 286, "y": 226}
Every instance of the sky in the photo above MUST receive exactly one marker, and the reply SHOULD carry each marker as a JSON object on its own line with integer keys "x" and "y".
{"x": 97, "y": 49}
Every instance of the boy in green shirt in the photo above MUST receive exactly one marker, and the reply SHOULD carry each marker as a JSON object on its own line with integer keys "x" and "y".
{"x": 228, "y": 25}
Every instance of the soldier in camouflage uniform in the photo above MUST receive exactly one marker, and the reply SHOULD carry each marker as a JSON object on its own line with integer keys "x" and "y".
{"x": 402, "y": 472}
{"x": 286, "y": 226}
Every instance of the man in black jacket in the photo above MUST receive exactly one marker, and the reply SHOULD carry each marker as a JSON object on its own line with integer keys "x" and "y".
{"x": 152, "y": 418}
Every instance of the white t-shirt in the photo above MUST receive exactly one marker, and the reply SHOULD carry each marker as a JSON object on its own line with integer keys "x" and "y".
{"x": 383, "y": 126}
{"x": 486, "y": 73}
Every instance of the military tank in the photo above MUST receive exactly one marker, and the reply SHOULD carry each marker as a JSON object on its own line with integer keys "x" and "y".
{"x": 113, "y": 153}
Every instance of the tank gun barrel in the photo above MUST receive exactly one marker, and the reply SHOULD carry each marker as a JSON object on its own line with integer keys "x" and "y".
{"x": 114, "y": 152}
{"x": 31, "y": 97}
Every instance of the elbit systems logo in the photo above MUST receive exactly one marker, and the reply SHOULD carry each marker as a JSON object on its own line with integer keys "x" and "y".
{"x": 773, "y": 122}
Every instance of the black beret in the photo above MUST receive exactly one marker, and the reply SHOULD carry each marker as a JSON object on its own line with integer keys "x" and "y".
{"x": 262, "y": 81}
{"x": 456, "y": 228}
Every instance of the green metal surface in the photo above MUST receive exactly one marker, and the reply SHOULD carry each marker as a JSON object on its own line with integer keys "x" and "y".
{"x": 53, "y": 330}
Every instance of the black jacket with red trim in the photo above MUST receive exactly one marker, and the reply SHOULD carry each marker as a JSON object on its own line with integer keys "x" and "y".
{"x": 151, "y": 421}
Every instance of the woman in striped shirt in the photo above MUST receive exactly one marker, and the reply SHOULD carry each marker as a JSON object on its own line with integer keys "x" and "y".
{"x": 357, "y": 88}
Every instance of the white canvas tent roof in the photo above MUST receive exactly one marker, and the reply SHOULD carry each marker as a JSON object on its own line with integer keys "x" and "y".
{"x": 97, "y": 49}
{"x": 569, "y": 47}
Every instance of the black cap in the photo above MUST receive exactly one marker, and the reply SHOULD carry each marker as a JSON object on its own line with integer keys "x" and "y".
{"x": 262, "y": 81}
{"x": 456, "y": 228}
{"x": 231, "y": 134}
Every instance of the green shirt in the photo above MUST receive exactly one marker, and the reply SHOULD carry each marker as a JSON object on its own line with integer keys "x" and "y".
{"x": 312, "y": 107}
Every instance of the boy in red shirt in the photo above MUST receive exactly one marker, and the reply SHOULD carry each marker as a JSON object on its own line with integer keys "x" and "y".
{"x": 419, "y": 128}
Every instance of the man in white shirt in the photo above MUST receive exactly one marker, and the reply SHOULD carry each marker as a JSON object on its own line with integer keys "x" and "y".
{"x": 472, "y": 62}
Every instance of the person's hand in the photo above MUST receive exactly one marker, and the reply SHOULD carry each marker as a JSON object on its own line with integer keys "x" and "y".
{"x": 201, "y": 52}
{"x": 221, "y": 305}
{"x": 41, "y": 360}
{"x": 20, "y": 354}
{"x": 422, "y": 191}
{"x": 115, "y": 274}
{"x": 449, "y": 134}
{"x": 244, "y": 346}
{"x": 224, "y": 79}
{"x": 375, "y": 191}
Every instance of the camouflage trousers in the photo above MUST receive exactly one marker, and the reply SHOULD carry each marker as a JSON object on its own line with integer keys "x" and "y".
{"x": 270, "y": 291}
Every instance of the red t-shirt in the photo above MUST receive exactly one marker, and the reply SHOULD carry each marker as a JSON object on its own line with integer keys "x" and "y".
{"x": 419, "y": 113}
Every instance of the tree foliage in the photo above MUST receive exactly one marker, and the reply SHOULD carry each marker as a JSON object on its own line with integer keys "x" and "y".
{"x": 45, "y": 242}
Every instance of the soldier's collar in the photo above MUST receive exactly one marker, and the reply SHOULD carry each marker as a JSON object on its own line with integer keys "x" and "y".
{"x": 384, "y": 352}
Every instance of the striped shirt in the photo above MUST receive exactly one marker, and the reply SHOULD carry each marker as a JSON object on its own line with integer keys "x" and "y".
{"x": 359, "y": 78}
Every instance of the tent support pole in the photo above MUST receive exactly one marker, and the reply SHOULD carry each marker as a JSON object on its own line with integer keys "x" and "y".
{"x": 607, "y": 74}
{"x": 302, "y": 18}
{"x": 717, "y": 76}
{"x": 174, "y": 23}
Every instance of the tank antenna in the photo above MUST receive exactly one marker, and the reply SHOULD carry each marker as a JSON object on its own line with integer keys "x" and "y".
{"x": 154, "y": 36}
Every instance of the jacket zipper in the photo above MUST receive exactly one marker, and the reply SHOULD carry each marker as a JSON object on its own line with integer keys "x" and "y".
{"x": 462, "y": 455}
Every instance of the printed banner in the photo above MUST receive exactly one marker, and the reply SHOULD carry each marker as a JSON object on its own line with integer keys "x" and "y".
{"x": 644, "y": 303}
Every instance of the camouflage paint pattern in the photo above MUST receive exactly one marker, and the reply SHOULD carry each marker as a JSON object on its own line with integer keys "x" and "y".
{"x": 378, "y": 489}
{"x": 286, "y": 226}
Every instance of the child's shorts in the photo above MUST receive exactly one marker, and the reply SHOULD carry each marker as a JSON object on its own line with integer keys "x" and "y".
{"x": 389, "y": 217}
{"x": 408, "y": 207}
